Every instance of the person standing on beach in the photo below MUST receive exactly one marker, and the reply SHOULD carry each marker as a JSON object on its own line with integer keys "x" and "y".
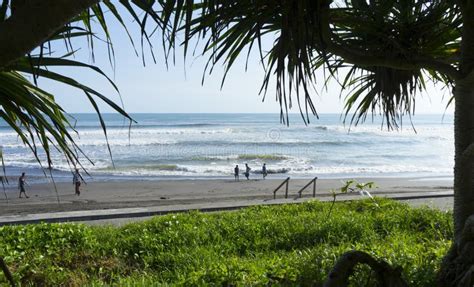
{"x": 264, "y": 170}
{"x": 21, "y": 185}
{"x": 236, "y": 172}
{"x": 76, "y": 181}
{"x": 247, "y": 171}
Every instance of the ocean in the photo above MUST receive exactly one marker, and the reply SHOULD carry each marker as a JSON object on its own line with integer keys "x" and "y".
{"x": 183, "y": 146}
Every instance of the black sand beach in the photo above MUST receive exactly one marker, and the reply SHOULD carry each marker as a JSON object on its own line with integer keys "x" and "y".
{"x": 126, "y": 194}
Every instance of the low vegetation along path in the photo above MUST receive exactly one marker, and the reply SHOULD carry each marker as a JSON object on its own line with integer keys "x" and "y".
{"x": 279, "y": 245}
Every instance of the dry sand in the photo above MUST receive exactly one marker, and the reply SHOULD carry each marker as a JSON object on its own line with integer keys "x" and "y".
{"x": 123, "y": 194}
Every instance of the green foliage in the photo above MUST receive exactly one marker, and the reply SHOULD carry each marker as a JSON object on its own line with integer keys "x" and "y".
{"x": 381, "y": 53}
{"x": 407, "y": 43}
{"x": 257, "y": 246}
{"x": 397, "y": 29}
{"x": 353, "y": 185}
{"x": 32, "y": 112}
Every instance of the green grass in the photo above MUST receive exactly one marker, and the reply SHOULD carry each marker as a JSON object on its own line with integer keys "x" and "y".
{"x": 265, "y": 245}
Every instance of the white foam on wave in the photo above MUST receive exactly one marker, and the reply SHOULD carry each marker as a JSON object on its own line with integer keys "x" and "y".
{"x": 303, "y": 170}
{"x": 155, "y": 131}
{"x": 126, "y": 142}
{"x": 291, "y": 166}
{"x": 214, "y": 150}
{"x": 378, "y": 169}
{"x": 444, "y": 132}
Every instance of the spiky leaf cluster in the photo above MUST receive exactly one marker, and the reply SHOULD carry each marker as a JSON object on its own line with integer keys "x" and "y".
{"x": 403, "y": 30}
{"x": 31, "y": 111}
{"x": 391, "y": 48}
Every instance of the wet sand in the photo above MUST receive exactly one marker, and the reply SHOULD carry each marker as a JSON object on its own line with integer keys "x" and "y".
{"x": 144, "y": 193}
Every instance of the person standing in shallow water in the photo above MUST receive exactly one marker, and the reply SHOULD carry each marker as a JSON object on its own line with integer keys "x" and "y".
{"x": 264, "y": 170}
{"x": 21, "y": 185}
{"x": 247, "y": 171}
{"x": 76, "y": 181}
{"x": 236, "y": 173}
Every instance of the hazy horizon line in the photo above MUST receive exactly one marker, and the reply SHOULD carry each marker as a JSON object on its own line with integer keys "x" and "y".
{"x": 248, "y": 113}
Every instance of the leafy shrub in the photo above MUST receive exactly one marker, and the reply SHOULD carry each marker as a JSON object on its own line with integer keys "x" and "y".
{"x": 263, "y": 245}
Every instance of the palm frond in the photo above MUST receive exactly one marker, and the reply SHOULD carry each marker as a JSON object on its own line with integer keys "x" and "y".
{"x": 35, "y": 116}
{"x": 32, "y": 112}
{"x": 3, "y": 10}
{"x": 402, "y": 29}
{"x": 382, "y": 91}
{"x": 230, "y": 29}
{"x": 398, "y": 29}
{"x": 34, "y": 97}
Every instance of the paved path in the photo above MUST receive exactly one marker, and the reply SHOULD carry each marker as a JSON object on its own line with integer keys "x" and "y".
{"x": 438, "y": 199}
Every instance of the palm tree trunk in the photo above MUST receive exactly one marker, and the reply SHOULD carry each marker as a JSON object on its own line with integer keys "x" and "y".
{"x": 464, "y": 125}
{"x": 464, "y": 153}
{"x": 458, "y": 266}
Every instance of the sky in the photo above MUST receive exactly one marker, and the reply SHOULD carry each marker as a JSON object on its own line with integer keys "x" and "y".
{"x": 154, "y": 88}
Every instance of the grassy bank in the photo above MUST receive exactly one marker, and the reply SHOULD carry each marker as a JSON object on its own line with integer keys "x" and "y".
{"x": 282, "y": 245}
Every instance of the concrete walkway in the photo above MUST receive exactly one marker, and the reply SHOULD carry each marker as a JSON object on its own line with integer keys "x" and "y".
{"x": 444, "y": 199}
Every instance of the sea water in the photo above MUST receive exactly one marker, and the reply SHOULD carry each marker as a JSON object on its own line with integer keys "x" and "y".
{"x": 180, "y": 146}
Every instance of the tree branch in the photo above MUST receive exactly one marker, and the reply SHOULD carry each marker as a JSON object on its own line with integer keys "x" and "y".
{"x": 365, "y": 60}
{"x": 33, "y": 22}
{"x": 386, "y": 275}
{"x": 7, "y": 272}
{"x": 416, "y": 62}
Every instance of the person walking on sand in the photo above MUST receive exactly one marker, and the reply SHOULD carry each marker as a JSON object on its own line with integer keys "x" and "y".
{"x": 236, "y": 172}
{"x": 247, "y": 171}
{"x": 264, "y": 170}
{"x": 21, "y": 185}
{"x": 76, "y": 181}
